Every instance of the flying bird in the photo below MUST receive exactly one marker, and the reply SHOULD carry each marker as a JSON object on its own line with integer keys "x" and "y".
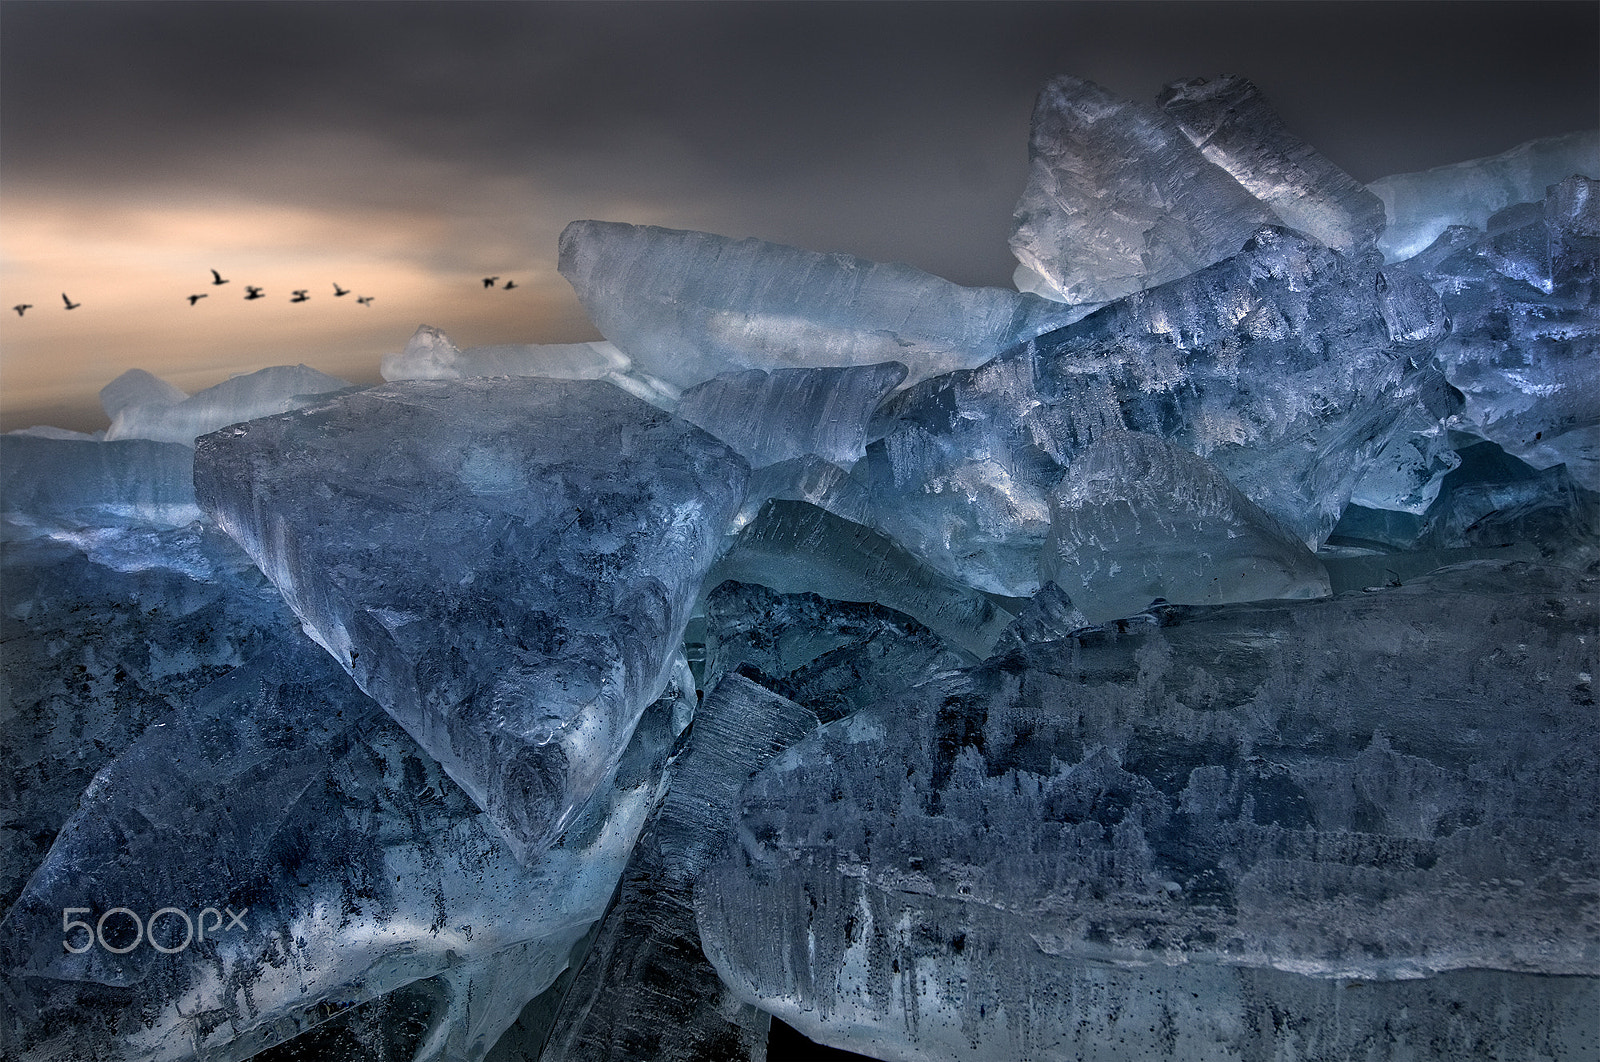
{"x": 337, "y": 290}
{"x": 510, "y": 284}
{"x": 216, "y": 277}
{"x": 365, "y": 300}
{"x": 300, "y": 296}
{"x": 252, "y": 292}
{"x": 194, "y": 299}
{"x": 488, "y": 282}
{"x": 70, "y": 304}
{"x": 23, "y": 308}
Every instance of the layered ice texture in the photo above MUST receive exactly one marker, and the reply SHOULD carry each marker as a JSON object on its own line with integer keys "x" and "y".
{"x": 1524, "y": 351}
{"x": 430, "y": 355}
{"x": 307, "y": 855}
{"x": 1234, "y": 127}
{"x": 1203, "y": 670}
{"x": 143, "y": 407}
{"x": 1419, "y": 207}
{"x": 1135, "y": 519}
{"x": 688, "y": 306}
{"x": 506, "y": 566}
{"x": 1217, "y": 812}
{"x": 1287, "y": 366}
{"x": 1119, "y": 199}
{"x": 792, "y": 413}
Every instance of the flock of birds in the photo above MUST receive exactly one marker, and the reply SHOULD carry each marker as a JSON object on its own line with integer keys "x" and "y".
{"x": 252, "y": 292}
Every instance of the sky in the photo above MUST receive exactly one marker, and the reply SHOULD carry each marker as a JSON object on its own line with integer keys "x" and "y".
{"x": 404, "y": 151}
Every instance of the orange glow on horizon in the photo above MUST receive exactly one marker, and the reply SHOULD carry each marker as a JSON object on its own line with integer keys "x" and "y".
{"x": 131, "y": 266}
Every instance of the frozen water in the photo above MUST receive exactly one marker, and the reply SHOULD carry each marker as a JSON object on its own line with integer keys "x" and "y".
{"x": 355, "y": 866}
{"x": 1232, "y": 124}
{"x": 143, "y": 412}
{"x": 1278, "y": 365}
{"x": 505, "y": 565}
{"x": 1135, "y": 519}
{"x": 1119, "y": 200}
{"x": 1072, "y": 796}
{"x": 833, "y": 657}
{"x": 645, "y": 990}
{"x": 66, "y": 484}
{"x": 792, "y": 413}
{"x": 794, "y": 548}
{"x": 688, "y": 306}
{"x": 1491, "y": 501}
{"x": 430, "y": 355}
{"x": 1525, "y": 348}
{"x": 94, "y": 653}
{"x": 136, "y": 387}
{"x": 1221, "y": 812}
{"x": 1420, "y": 206}
{"x": 806, "y": 479}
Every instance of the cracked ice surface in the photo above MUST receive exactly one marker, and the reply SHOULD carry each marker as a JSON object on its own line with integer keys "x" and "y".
{"x": 507, "y": 566}
{"x": 1218, "y": 811}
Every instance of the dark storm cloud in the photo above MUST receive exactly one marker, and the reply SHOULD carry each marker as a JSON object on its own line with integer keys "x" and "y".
{"x": 414, "y": 147}
{"x": 828, "y": 125}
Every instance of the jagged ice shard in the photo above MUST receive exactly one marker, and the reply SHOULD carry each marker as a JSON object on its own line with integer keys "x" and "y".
{"x": 1233, "y": 125}
{"x": 687, "y": 306}
{"x": 1201, "y": 671}
{"x": 1119, "y": 200}
{"x": 506, "y": 566}
{"x": 1287, "y": 365}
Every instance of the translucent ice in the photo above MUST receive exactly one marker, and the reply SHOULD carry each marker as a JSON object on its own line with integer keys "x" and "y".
{"x": 430, "y": 355}
{"x": 1221, "y": 812}
{"x": 505, "y": 565}
{"x": 687, "y": 306}
{"x": 1135, "y": 519}
{"x": 791, "y": 413}
{"x": 645, "y": 991}
{"x": 288, "y": 850}
{"x": 1119, "y": 200}
{"x": 1420, "y": 206}
{"x": 833, "y": 657}
{"x": 65, "y": 484}
{"x": 1525, "y": 347}
{"x": 1232, "y": 124}
{"x": 794, "y": 547}
{"x": 257, "y": 394}
{"x": 1278, "y": 365}
{"x": 94, "y": 654}
{"x": 136, "y": 387}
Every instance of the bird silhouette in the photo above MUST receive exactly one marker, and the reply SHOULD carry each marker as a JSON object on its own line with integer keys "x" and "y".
{"x": 488, "y": 282}
{"x": 23, "y": 308}
{"x": 216, "y": 277}
{"x": 337, "y": 290}
{"x": 510, "y": 284}
{"x": 194, "y": 299}
{"x": 365, "y": 300}
{"x": 70, "y": 304}
{"x": 300, "y": 296}
{"x": 252, "y": 292}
